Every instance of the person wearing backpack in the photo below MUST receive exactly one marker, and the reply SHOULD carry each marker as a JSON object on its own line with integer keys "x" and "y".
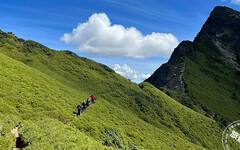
{"x": 79, "y": 108}
{"x": 88, "y": 102}
{"x": 84, "y": 105}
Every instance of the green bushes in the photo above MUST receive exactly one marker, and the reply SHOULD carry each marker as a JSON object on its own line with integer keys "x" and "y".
{"x": 45, "y": 133}
{"x": 114, "y": 138}
{"x": 7, "y": 123}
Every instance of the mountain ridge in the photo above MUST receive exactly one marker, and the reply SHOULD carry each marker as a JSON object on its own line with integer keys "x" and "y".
{"x": 206, "y": 70}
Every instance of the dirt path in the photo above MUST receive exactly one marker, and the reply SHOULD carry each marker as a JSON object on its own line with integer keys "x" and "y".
{"x": 15, "y": 131}
{"x": 16, "y": 134}
{"x": 20, "y": 143}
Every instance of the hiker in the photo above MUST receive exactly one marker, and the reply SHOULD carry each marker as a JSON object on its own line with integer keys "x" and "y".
{"x": 88, "y": 102}
{"x": 79, "y": 109}
{"x": 93, "y": 98}
{"x": 84, "y": 105}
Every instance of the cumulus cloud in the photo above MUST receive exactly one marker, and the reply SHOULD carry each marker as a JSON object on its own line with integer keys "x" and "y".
{"x": 98, "y": 36}
{"x": 237, "y": 2}
{"x": 130, "y": 73}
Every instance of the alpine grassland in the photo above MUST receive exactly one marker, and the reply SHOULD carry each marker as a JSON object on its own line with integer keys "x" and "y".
{"x": 40, "y": 89}
{"x": 213, "y": 82}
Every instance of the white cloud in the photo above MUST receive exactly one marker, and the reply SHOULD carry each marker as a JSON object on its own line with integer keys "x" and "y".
{"x": 98, "y": 36}
{"x": 145, "y": 76}
{"x": 130, "y": 73}
{"x": 237, "y": 2}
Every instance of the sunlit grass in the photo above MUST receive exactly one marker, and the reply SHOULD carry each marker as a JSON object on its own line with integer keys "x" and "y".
{"x": 40, "y": 89}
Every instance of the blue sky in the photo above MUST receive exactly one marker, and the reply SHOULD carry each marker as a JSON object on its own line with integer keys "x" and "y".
{"x": 47, "y": 21}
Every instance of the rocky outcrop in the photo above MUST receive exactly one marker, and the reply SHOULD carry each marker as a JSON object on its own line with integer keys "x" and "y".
{"x": 170, "y": 75}
{"x": 228, "y": 54}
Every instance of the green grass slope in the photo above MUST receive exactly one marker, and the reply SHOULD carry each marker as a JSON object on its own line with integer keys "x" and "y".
{"x": 29, "y": 110}
{"x": 27, "y": 95}
{"x": 40, "y": 89}
{"x": 213, "y": 82}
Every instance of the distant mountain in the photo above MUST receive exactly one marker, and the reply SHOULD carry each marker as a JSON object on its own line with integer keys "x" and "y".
{"x": 40, "y": 89}
{"x": 205, "y": 74}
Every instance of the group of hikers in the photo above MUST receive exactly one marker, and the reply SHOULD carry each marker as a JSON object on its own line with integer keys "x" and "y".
{"x": 85, "y": 104}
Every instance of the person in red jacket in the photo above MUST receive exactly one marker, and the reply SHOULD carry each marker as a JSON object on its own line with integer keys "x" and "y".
{"x": 93, "y": 98}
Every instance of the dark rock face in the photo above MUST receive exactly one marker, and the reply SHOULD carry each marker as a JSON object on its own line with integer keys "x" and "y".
{"x": 183, "y": 49}
{"x": 169, "y": 75}
{"x": 229, "y": 55}
{"x": 222, "y": 29}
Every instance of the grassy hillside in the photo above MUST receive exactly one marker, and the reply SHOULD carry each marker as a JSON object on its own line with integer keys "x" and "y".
{"x": 213, "y": 82}
{"x": 40, "y": 89}
{"x": 27, "y": 95}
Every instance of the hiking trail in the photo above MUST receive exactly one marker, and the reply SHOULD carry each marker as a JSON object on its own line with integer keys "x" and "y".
{"x": 20, "y": 143}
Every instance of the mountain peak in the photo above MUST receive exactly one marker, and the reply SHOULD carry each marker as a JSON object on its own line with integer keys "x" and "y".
{"x": 222, "y": 8}
{"x": 222, "y": 23}
{"x": 207, "y": 69}
{"x": 219, "y": 35}
{"x": 222, "y": 30}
